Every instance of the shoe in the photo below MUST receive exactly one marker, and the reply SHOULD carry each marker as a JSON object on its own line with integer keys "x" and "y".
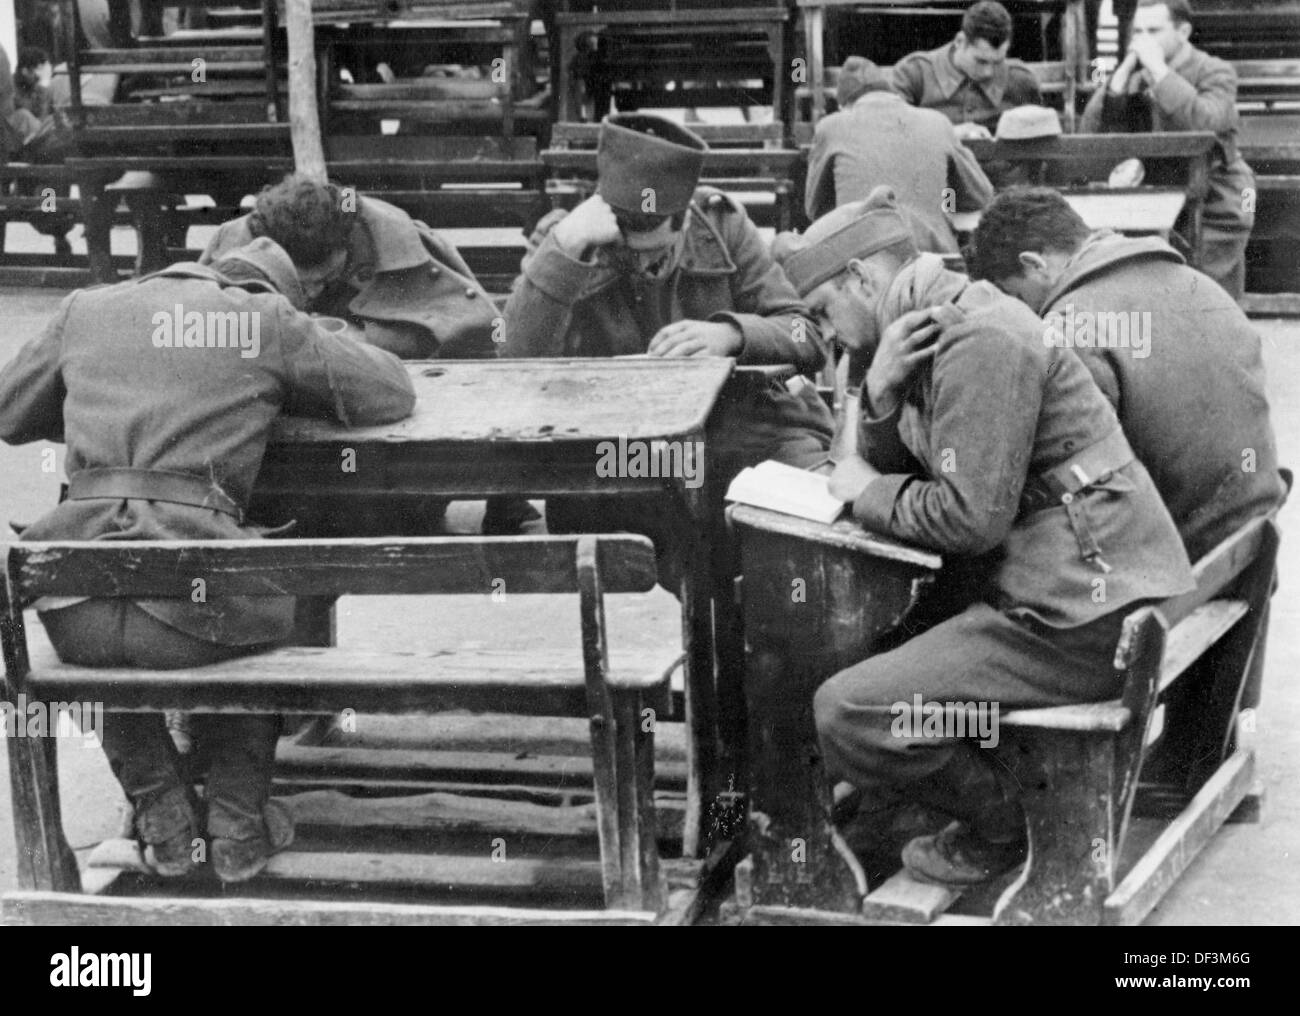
{"x": 957, "y": 858}
{"x": 240, "y": 860}
{"x": 168, "y": 827}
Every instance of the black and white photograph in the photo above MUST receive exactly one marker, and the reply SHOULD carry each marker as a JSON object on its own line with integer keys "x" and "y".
{"x": 668, "y": 463}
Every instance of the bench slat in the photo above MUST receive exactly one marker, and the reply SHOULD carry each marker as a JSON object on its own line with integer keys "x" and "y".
{"x": 415, "y": 565}
{"x": 1183, "y": 646}
{"x": 308, "y": 679}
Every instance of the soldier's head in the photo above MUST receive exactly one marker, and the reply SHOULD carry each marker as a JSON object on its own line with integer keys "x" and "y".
{"x": 859, "y": 76}
{"x": 1168, "y": 22}
{"x": 313, "y": 222}
{"x": 647, "y": 170}
{"x": 843, "y": 265}
{"x": 981, "y": 47}
{"x": 262, "y": 265}
{"x": 1025, "y": 241}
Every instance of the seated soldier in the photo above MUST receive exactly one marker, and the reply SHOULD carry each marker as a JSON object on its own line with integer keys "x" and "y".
{"x": 404, "y": 286}
{"x": 977, "y": 438}
{"x": 164, "y": 390}
{"x": 970, "y": 80}
{"x": 372, "y": 265}
{"x": 876, "y": 139}
{"x": 650, "y": 264}
{"x": 1164, "y": 83}
{"x": 1171, "y": 351}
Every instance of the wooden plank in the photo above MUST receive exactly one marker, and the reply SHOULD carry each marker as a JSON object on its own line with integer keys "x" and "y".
{"x": 904, "y": 900}
{"x": 762, "y": 914}
{"x": 1215, "y": 570}
{"x": 123, "y": 114}
{"x": 307, "y": 679}
{"x": 182, "y": 56}
{"x": 1175, "y": 849}
{"x": 587, "y": 134}
{"x": 317, "y": 567}
{"x": 1188, "y": 639}
{"x": 540, "y": 401}
{"x": 295, "y": 764}
{"x": 1271, "y": 304}
{"x": 843, "y": 533}
{"x": 1113, "y": 147}
{"x": 29, "y": 909}
{"x": 728, "y": 160}
{"x": 119, "y": 138}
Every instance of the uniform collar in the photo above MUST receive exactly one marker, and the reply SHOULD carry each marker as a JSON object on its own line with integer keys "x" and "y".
{"x": 950, "y": 77}
{"x": 394, "y": 239}
{"x": 1103, "y": 250}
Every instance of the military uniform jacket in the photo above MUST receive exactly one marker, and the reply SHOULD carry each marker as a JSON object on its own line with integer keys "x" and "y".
{"x": 1198, "y": 94}
{"x": 995, "y": 408}
{"x": 403, "y": 283}
{"x": 882, "y": 140}
{"x": 561, "y": 306}
{"x": 930, "y": 79}
{"x": 1192, "y": 402}
{"x": 97, "y": 380}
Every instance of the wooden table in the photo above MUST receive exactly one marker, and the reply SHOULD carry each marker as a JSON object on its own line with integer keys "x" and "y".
{"x": 816, "y": 597}
{"x": 534, "y": 428}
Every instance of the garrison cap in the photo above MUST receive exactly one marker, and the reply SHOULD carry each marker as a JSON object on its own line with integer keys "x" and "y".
{"x": 1025, "y": 122}
{"x": 855, "y": 230}
{"x": 647, "y": 164}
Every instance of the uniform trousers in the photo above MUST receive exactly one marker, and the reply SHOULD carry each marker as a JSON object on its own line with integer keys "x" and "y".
{"x": 983, "y": 656}
{"x": 240, "y": 750}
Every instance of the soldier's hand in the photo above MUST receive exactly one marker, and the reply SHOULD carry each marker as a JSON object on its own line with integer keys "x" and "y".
{"x": 1151, "y": 55}
{"x": 851, "y": 477}
{"x": 697, "y": 338}
{"x": 966, "y": 131}
{"x": 1119, "y": 80}
{"x": 904, "y": 345}
{"x": 591, "y": 224}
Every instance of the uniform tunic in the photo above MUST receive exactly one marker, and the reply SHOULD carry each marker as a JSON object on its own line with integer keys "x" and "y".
{"x": 882, "y": 140}
{"x": 996, "y": 409}
{"x": 930, "y": 79}
{"x": 1194, "y": 406}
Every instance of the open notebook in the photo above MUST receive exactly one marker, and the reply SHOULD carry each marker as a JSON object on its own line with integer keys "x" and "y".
{"x": 785, "y": 489}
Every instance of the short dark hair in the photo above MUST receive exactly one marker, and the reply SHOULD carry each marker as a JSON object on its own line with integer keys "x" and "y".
{"x": 1180, "y": 11}
{"x": 304, "y": 216}
{"x": 989, "y": 21}
{"x": 1020, "y": 219}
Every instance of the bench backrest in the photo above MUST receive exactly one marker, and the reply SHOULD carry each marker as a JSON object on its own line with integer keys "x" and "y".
{"x": 348, "y": 567}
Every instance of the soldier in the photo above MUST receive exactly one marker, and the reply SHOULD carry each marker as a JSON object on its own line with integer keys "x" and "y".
{"x": 977, "y": 438}
{"x": 931, "y": 172}
{"x": 404, "y": 286}
{"x": 1172, "y": 353}
{"x": 970, "y": 80}
{"x": 371, "y": 264}
{"x": 650, "y": 264}
{"x": 164, "y": 390}
{"x": 1164, "y": 83}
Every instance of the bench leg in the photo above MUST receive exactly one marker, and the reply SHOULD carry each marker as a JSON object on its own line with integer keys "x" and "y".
{"x": 97, "y": 208}
{"x": 45, "y": 861}
{"x": 1065, "y": 785}
{"x": 642, "y": 883}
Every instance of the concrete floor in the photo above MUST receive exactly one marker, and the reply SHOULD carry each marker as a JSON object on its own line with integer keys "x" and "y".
{"x": 1249, "y": 875}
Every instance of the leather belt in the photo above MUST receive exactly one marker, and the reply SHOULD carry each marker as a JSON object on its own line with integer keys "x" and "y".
{"x": 1060, "y": 485}
{"x": 121, "y": 483}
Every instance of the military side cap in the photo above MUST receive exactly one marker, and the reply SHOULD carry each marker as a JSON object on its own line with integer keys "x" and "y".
{"x": 857, "y": 77}
{"x": 647, "y": 164}
{"x": 1025, "y": 122}
{"x": 855, "y": 230}
{"x": 273, "y": 264}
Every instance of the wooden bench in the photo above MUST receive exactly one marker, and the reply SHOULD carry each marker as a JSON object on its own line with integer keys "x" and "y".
{"x": 621, "y": 700}
{"x": 1081, "y": 769}
{"x": 749, "y": 160}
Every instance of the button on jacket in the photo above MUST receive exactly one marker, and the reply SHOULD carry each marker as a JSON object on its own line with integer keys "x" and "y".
{"x": 403, "y": 283}
{"x": 95, "y": 380}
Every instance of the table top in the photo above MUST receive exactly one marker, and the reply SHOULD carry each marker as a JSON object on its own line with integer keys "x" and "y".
{"x": 843, "y": 533}
{"x": 545, "y": 400}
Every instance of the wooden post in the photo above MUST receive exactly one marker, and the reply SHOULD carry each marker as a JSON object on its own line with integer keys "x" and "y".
{"x": 304, "y": 116}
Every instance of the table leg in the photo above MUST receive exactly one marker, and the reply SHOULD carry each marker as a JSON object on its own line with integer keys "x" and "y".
{"x": 97, "y": 208}
{"x": 701, "y": 702}
{"x": 814, "y": 26}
